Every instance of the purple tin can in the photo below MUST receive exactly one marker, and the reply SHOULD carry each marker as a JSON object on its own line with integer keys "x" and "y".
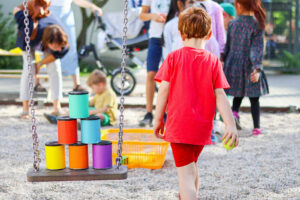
{"x": 102, "y": 155}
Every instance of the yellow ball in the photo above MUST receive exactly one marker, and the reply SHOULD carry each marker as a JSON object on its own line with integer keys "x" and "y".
{"x": 227, "y": 145}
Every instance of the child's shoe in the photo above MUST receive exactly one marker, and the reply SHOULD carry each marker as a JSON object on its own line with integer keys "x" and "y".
{"x": 237, "y": 120}
{"x": 147, "y": 120}
{"x": 256, "y": 131}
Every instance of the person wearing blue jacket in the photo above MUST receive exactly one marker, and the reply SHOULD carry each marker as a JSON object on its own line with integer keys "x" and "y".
{"x": 48, "y": 36}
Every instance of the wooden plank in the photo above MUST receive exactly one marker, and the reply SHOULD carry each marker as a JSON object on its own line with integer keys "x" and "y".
{"x": 45, "y": 175}
{"x": 19, "y": 76}
{"x": 10, "y": 71}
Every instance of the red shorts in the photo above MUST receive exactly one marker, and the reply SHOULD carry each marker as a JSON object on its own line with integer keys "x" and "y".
{"x": 185, "y": 154}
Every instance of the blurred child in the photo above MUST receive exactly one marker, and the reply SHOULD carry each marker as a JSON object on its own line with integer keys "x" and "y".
{"x": 215, "y": 11}
{"x": 228, "y": 13}
{"x": 197, "y": 75}
{"x": 172, "y": 36}
{"x": 243, "y": 58}
{"x": 159, "y": 10}
{"x": 104, "y": 101}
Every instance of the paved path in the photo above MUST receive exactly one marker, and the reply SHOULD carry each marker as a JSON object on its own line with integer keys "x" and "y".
{"x": 284, "y": 90}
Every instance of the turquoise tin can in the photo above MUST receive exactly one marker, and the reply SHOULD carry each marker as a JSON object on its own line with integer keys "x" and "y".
{"x": 79, "y": 104}
{"x": 90, "y": 130}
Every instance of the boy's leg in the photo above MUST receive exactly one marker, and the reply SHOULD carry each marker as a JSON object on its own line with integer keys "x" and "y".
{"x": 187, "y": 179}
{"x": 197, "y": 182}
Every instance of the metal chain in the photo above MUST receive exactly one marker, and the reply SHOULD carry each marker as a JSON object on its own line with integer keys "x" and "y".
{"x": 123, "y": 66}
{"x": 36, "y": 152}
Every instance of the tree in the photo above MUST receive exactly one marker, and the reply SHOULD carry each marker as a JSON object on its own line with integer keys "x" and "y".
{"x": 86, "y": 22}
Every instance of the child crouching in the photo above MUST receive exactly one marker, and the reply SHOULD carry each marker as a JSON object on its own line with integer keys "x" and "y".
{"x": 104, "y": 101}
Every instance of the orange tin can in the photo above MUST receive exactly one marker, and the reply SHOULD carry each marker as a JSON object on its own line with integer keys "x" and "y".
{"x": 67, "y": 130}
{"x": 78, "y": 156}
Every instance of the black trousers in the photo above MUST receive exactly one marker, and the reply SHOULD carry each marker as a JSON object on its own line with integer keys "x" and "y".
{"x": 255, "y": 108}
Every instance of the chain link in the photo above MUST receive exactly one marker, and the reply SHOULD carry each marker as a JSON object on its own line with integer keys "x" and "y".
{"x": 35, "y": 146}
{"x": 123, "y": 66}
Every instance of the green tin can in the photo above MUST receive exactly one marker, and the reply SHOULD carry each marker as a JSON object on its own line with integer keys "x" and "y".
{"x": 79, "y": 104}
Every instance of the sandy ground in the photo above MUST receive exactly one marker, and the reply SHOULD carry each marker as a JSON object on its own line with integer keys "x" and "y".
{"x": 264, "y": 167}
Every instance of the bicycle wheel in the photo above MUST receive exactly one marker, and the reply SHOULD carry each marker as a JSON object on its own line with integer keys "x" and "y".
{"x": 116, "y": 82}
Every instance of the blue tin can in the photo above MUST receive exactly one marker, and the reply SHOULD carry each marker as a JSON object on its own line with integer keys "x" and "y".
{"x": 90, "y": 130}
{"x": 79, "y": 104}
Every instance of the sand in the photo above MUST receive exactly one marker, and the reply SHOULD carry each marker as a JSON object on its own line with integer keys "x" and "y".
{"x": 264, "y": 167}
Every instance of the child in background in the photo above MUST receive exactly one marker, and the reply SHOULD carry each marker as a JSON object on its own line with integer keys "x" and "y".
{"x": 228, "y": 13}
{"x": 159, "y": 10}
{"x": 215, "y": 11}
{"x": 172, "y": 36}
{"x": 197, "y": 75}
{"x": 104, "y": 101}
{"x": 243, "y": 58}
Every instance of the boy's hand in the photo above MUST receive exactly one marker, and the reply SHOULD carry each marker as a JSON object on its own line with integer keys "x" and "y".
{"x": 231, "y": 132}
{"x": 159, "y": 128}
{"x": 254, "y": 76}
{"x": 159, "y": 17}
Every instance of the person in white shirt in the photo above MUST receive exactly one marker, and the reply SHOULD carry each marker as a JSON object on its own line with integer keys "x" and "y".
{"x": 172, "y": 37}
{"x": 63, "y": 11}
{"x": 159, "y": 10}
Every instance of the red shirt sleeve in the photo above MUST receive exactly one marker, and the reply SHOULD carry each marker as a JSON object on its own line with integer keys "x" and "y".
{"x": 164, "y": 72}
{"x": 219, "y": 78}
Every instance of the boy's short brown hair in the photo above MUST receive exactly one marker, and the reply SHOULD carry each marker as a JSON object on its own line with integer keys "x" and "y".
{"x": 96, "y": 77}
{"x": 194, "y": 23}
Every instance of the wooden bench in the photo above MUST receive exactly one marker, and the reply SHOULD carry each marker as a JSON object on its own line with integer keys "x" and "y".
{"x": 10, "y": 73}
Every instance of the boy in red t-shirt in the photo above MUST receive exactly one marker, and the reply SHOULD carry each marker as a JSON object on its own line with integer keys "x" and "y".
{"x": 192, "y": 84}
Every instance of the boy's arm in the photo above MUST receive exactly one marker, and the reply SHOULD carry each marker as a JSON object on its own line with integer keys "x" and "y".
{"x": 161, "y": 104}
{"x": 226, "y": 113}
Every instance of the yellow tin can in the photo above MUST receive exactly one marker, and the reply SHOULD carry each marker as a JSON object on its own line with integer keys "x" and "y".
{"x": 55, "y": 156}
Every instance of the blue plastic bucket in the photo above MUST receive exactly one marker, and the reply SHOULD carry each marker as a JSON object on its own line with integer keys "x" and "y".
{"x": 79, "y": 104}
{"x": 90, "y": 130}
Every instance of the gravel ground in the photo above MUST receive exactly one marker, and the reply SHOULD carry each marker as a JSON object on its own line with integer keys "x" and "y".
{"x": 264, "y": 167}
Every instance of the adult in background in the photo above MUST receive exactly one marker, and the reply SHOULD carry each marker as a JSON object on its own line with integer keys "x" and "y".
{"x": 229, "y": 13}
{"x": 51, "y": 39}
{"x": 63, "y": 11}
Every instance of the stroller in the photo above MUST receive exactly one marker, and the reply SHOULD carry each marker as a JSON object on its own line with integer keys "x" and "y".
{"x": 133, "y": 45}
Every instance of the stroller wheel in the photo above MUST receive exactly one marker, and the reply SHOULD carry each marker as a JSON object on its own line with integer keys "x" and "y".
{"x": 116, "y": 82}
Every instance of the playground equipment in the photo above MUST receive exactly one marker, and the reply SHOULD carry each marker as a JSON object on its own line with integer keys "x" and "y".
{"x": 54, "y": 163}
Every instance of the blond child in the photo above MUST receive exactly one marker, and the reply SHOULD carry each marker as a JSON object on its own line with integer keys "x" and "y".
{"x": 104, "y": 101}
{"x": 192, "y": 85}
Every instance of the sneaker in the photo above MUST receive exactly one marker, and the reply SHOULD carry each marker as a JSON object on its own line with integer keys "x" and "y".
{"x": 214, "y": 138}
{"x": 237, "y": 120}
{"x": 51, "y": 118}
{"x": 217, "y": 128}
{"x": 147, "y": 120}
{"x": 257, "y": 131}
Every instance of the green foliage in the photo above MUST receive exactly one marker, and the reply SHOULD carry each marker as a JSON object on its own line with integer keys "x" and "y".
{"x": 8, "y": 41}
{"x": 291, "y": 62}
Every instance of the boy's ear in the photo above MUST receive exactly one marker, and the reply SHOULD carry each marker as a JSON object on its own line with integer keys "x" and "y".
{"x": 209, "y": 35}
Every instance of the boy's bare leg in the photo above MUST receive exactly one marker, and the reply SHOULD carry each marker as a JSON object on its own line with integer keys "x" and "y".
{"x": 150, "y": 90}
{"x": 187, "y": 179}
{"x": 197, "y": 182}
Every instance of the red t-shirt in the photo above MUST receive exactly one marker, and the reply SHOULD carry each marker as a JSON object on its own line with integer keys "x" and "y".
{"x": 193, "y": 75}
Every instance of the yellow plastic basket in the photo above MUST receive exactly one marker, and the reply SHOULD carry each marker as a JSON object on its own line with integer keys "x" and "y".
{"x": 141, "y": 146}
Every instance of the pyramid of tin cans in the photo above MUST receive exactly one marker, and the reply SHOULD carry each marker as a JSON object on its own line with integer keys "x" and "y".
{"x": 68, "y": 135}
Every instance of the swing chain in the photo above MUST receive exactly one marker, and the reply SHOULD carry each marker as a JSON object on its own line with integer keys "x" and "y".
{"x": 123, "y": 66}
{"x": 36, "y": 152}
